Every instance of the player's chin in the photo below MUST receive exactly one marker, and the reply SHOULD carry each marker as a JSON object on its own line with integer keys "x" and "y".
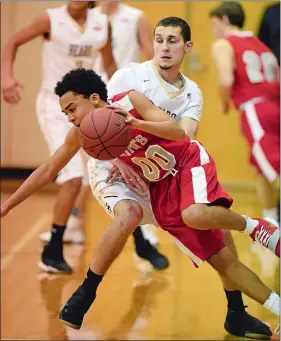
{"x": 165, "y": 65}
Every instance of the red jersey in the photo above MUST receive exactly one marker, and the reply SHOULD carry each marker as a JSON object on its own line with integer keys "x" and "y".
{"x": 153, "y": 156}
{"x": 255, "y": 70}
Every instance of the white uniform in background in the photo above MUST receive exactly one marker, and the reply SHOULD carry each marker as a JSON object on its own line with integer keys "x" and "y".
{"x": 126, "y": 48}
{"x": 69, "y": 47}
{"x": 178, "y": 103}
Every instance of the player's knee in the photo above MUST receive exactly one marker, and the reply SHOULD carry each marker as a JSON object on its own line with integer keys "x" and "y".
{"x": 129, "y": 213}
{"x": 73, "y": 186}
{"x": 195, "y": 216}
{"x": 224, "y": 262}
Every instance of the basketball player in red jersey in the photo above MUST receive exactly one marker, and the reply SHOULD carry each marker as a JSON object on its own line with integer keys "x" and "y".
{"x": 249, "y": 77}
{"x": 182, "y": 172}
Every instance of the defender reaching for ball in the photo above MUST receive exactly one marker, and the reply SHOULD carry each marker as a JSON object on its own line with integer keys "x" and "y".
{"x": 180, "y": 164}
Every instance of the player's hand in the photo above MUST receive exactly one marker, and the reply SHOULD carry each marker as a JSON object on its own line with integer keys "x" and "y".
{"x": 225, "y": 107}
{"x": 132, "y": 178}
{"x": 130, "y": 119}
{"x": 4, "y": 210}
{"x": 11, "y": 90}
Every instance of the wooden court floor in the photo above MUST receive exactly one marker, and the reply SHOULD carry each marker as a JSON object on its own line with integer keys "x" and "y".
{"x": 181, "y": 303}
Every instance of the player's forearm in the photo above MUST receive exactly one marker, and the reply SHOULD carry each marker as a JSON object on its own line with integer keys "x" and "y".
{"x": 168, "y": 130}
{"x": 39, "y": 178}
{"x": 110, "y": 69}
{"x": 8, "y": 58}
{"x": 225, "y": 94}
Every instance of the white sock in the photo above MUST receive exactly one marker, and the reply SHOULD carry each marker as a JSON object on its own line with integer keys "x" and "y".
{"x": 250, "y": 224}
{"x": 272, "y": 303}
{"x": 270, "y": 213}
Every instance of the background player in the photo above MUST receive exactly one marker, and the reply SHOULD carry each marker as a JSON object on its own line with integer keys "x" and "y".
{"x": 248, "y": 76}
{"x": 72, "y": 37}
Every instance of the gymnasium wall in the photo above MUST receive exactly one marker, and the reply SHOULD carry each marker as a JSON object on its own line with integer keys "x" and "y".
{"x": 21, "y": 142}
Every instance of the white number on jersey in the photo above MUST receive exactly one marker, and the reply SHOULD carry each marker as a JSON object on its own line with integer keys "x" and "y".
{"x": 155, "y": 157}
{"x": 260, "y": 68}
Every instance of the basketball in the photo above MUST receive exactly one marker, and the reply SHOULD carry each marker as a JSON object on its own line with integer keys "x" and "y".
{"x": 104, "y": 134}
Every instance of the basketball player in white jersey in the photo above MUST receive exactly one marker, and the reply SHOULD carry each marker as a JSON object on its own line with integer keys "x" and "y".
{"x": 131, "y": 35}
{"x": 73, "y": 35}
{"x": 160, "y": 80}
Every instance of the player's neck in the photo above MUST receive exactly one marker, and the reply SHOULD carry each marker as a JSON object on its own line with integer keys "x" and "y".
{"x": 228, "y": 30}
{"x": 109, "y": 10}
{"x": 171, "y": 76}
{"x": 78, "y": 16}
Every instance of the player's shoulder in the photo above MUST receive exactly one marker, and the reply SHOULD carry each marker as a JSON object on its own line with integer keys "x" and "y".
{"x": 221, "y": 43}
{"x": 191, "y": 87}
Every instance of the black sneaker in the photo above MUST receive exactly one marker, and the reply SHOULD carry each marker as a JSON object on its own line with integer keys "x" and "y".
{"x": 153, "y": 256}
{"x": 240, "y": 323}
{"x": 73, "y": 312}
{"x": 52, "y": 260}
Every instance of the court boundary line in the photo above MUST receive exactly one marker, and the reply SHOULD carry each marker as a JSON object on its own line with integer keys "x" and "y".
{"x": 35, "y": 228}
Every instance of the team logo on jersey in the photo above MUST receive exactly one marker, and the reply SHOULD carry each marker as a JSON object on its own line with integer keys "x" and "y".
{"x": 76, "y": 50}
{"x": 97, "y": 28}
{"x": 188, "y": 95}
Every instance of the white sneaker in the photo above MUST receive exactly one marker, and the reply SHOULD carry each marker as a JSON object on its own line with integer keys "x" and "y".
{"x": 149, "y": 233}
{"x": 73, "y": 232}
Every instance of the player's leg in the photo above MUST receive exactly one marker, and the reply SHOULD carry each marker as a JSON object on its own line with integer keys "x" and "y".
{"x": 108, "y": 195}
{"x": 209, "y": 246}
{"x": 200, "y": 188}
{"x": 128, "y": 215}
{"x": 243, "y": 279}
{"x": 55, "y": 127}
{"x": 199, "y": 245}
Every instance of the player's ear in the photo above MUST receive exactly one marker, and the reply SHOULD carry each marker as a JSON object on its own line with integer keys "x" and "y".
{"x": 188, "y": 46}
{"x": 94, "y": 99}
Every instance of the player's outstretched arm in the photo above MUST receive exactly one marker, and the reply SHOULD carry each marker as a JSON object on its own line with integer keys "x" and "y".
{"x": 45, "y": 173}
{"x": 155, "y": 120}
{"x": 10, "y": 86}
{"x": 224, "y": 59}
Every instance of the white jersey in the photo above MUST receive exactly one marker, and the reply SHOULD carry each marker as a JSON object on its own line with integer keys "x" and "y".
{"x": 144, "y": 77}
{"x": 71, "y": 46}
{"x": 125, "y": 44}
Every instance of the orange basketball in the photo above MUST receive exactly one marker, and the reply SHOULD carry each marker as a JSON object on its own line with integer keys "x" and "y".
{"x": 104, "y": 134}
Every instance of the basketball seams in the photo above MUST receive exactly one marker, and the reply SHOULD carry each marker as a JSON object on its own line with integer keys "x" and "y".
{"x": 99, "y": 137}
{"x": 121, "y": 131}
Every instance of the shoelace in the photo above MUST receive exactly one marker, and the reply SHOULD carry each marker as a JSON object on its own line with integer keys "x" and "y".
{"x": 277, "y": 330}
{"x": 263, "y": 236}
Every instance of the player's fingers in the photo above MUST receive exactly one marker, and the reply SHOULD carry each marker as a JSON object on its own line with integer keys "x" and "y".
{"x": 137, "y": 182}
{"x": 128, "y": 182}
{"x": 111, "y": 172}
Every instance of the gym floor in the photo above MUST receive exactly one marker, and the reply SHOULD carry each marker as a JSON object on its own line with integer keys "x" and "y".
{"x": 181, "y": 303}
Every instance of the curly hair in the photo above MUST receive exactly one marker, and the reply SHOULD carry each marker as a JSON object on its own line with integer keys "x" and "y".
{"x": 82, "y": 82}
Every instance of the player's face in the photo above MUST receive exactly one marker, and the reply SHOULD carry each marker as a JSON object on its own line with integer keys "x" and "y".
{"x": 78, "y": 6}
{"x": 219, "y": 26}
{"x": 169, "y": 47}
{"x": 76, "y": 107}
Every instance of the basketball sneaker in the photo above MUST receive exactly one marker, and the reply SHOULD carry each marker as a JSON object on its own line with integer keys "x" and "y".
{"x": 149, "y": 253}
{"x": 73, "y": 232}
{"x": 267, "y": 234}
{"x": 52, "y": 260}
{"x": 240, "y": 323}
{"x": 73, "y": 312}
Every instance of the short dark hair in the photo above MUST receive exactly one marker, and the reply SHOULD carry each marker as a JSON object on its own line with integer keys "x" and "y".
{"x": 232, "y": 10}
{"x": 176, "y": 22}
{"x": 82, "y": 82}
